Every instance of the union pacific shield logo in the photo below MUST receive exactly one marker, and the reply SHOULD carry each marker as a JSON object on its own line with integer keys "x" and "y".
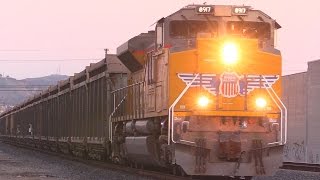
{"x": 229, "y": 84}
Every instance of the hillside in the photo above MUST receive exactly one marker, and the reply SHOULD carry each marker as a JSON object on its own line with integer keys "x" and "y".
{"x": 13, "y": 91}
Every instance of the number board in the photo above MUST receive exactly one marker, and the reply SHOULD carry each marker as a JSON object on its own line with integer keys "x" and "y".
{"x": 204, "y": 9}
{"x": 240, "y": 10}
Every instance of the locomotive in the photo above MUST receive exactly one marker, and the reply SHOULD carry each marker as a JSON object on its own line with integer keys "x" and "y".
{"x": 200, "y": 94}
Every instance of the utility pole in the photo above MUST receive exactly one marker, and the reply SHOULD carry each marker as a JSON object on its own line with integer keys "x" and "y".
{"x": 105, "y": 56}
{"x": 106, "y": 53}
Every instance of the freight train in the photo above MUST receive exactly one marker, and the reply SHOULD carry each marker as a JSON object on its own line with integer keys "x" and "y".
{"x": 200, "y": 95}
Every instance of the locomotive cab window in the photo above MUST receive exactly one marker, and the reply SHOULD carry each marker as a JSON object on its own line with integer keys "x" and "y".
{"x": 254, "y": 30}
{"x": 190, "y": 29}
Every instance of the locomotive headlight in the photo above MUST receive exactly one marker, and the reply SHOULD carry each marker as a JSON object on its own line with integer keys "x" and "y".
{"x": 261, "y": 102}
{"x": 203, "y": 101}
{"x": 230, "y": 53}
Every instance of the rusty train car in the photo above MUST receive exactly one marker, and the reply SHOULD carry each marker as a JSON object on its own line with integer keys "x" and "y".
{"x": 200, "y": 94}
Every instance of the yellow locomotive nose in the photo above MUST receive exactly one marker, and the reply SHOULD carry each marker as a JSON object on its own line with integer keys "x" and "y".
{"x": 230, "y": 53}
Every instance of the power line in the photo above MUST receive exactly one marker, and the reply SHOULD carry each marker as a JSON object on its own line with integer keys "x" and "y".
{"x": 8, "y": 88}
{"x": 41, "y": 60}
{"x": 18, "y": 85}
{"x": 20, "y": 50}
{"x": 11, "y": 90}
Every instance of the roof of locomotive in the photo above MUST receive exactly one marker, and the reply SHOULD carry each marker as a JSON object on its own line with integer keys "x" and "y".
{"x": 223, "y": 11}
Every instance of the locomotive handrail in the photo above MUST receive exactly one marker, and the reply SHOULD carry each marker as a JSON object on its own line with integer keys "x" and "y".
{"x": 285, "y": 113}
{"x": 110, "y": 117}
{"x": 171, "y": 110}
{"x": 115, "y": 108}
{"x": 112, "y": 92}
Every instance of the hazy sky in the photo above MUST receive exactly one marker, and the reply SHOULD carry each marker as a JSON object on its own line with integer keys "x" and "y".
{"x": 80, "y": 29}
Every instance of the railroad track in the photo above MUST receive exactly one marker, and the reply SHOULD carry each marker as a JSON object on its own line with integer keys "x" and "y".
{"x": 301, "y": 166}
{"x": 106, "y": 165}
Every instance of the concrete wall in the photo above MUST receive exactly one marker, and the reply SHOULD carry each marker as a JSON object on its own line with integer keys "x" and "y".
{"x": 295, "y": 99}
{"x": 313, "y": 112}
{"x": 301, "y": 95}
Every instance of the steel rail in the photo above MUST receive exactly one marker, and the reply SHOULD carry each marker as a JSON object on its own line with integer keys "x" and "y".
{"x": 301, "y": 166}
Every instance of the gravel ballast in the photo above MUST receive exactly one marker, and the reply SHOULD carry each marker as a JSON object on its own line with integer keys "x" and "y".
{"x": 25, "y": 164}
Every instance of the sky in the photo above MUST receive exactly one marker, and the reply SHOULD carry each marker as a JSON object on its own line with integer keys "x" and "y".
{"x": 43, "y": 37}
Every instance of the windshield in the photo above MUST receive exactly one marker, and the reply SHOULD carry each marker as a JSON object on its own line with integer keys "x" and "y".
{"x": 257, "y": 30}
{"x": 190, "y": 29}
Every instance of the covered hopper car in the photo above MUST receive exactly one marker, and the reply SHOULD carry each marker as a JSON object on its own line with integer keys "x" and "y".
{"x": 200, "y": 94}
